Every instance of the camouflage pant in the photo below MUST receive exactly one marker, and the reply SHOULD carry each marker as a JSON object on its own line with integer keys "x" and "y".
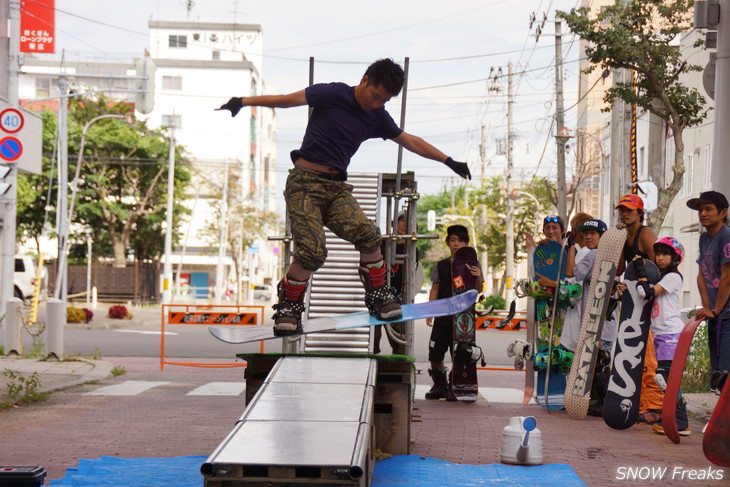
{"x": 314, "y": 202}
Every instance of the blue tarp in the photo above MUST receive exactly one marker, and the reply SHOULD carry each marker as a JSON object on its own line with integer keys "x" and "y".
{"x": 413, "y": 470}
{"x": 134, "y": 472}
{"x": 394, "y": 472}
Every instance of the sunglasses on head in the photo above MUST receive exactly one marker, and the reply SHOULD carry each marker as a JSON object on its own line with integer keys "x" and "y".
{"x": 552, "y": 219}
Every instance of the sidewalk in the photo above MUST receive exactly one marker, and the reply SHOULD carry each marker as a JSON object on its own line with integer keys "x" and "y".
{"x": 52, "y": 375}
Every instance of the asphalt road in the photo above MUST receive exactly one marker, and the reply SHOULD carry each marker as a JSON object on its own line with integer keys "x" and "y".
{"x": 141, "y": 337}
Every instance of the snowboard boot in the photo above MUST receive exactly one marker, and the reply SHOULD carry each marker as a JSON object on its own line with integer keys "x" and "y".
{"x": 289, "y": 309}
{"x": 381, "y": 300}
{"x": 441, "y": 388}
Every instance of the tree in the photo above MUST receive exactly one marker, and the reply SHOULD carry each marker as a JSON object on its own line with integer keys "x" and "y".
{"x": 123, "y": 186}
{"x": 244, "y": 224}
{"x": 638, "y": 35}
{"x": 486, "y": 204}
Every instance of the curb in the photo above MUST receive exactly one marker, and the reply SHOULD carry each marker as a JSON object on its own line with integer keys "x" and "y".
{"x": 107, "y": 324}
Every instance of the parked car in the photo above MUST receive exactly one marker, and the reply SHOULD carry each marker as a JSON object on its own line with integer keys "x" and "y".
{"x": 263, "y": 291}
{"x": 25, "y": 276}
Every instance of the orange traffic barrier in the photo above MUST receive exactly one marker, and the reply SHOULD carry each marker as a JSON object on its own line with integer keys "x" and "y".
{"x": 517, "y": 323}
{"x": 207, "y": 314}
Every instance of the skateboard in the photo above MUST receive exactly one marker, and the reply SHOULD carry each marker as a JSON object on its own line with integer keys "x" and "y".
{"x": 439, "y": 307}
{"x": 671, "y": 393}
{"x": 466, "y": 353}
{"x": 621, "y": 406}
{"x": 580, "y": 377}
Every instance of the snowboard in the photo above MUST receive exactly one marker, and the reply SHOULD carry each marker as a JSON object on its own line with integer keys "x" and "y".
{"x": 669, "y": 409}
{"x": 466, "y": 353}
{"x": 580, "y": 377}
{"x": 548, "y": 262}
{"x": 529, "y": 389}
{"x": 621, "y": 406}
{"x": 716, "y": 440}
{"x": 429, "y": 309}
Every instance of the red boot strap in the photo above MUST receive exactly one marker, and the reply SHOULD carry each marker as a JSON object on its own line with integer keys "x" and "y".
{"x": 377, "y": 276}
{"x": 293, "y": 293}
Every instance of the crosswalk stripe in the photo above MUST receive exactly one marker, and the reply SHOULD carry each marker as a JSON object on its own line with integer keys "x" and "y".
{"x": 219, "y": 389}
{"x": 126, "y": 388}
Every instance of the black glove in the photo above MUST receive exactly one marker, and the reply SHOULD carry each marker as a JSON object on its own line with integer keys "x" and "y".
{"x": 460, "y": 168}
{"x": 234, "y": 105}
{"x": 639, "y": 268}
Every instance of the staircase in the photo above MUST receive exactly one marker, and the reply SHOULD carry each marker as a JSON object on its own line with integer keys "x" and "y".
{"x": 336, "y": 288}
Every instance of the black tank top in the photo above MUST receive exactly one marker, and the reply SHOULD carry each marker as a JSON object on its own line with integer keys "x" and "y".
{"x": 632, "y": 251}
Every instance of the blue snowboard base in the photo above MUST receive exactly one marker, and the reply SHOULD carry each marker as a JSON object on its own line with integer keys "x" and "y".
{"x": 556, "y": 390}
{"x": 429, "y": 309}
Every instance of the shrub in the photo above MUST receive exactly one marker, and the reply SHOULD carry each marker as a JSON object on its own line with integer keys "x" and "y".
{"x": 75, "y": 315}
{"x": 495, "y": 300}
{"x": 696, "y": 376}
{"x": 89, "y": 314}
{"x": 118, "y": 312}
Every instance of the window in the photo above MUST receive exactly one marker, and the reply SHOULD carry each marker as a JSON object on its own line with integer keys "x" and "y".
{"x": 42, "y": 87}
{"x": 707, "y": 182}
{"x": 174, "y": 121}
{"x": 177, "y": 41}
{"x": 172, "y": 82}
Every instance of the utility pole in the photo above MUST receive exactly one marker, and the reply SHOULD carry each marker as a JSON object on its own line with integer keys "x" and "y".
{"x": 167, "y": 267}
{"x": 562, "y": 136}
{"x": 721, "y": 141}
{"x": 509, "y": 221}
{"x": 10, "y": 30}
{"x": 61, "y": 290}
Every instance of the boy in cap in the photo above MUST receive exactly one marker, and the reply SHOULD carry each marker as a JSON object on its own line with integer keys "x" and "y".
{"x": 640, "y": 243}
{"x": 582, "y": 271}
{"x": 713, "y": 281}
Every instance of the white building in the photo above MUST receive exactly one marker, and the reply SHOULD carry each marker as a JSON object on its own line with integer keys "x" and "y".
{"x": 198, "y": 66}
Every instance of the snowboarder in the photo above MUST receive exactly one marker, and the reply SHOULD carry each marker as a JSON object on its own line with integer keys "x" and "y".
{"x": 316, "y": 193}
{"x": 442, "y": 333}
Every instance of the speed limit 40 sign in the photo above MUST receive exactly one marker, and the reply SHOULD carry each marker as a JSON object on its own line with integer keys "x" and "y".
{"x": 11, "y": 120}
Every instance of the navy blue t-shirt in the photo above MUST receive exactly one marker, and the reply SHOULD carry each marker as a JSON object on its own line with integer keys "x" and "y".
{"x": 339, "y": 125}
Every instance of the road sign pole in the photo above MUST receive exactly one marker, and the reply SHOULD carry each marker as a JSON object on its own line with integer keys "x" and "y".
{"x": 8, "y": 202}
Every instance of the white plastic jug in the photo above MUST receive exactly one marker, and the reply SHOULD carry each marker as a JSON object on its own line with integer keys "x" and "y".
{"x": 522, "y": 441}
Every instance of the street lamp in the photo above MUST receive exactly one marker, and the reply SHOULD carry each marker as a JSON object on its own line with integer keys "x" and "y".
{"x": 61, "y": 291}
{"x": 517, "y": 193}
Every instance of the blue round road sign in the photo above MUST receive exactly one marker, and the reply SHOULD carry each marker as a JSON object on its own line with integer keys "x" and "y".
{"x": 10, "y": 148}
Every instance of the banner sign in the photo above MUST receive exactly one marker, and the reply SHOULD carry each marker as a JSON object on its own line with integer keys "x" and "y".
{"x": 37, "y": 26}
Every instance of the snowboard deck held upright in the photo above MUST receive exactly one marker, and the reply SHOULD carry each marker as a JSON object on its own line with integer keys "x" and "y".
{"x": 580, "y": 378}
{"x": 254, "y": 333}
{"x": 669, "y": 406}
{"x": 621, "y": 406}
{"x": 464, "y": 369}
{"x": 716, "y": 440}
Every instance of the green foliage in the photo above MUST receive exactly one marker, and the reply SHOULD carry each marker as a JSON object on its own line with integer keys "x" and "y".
{"x": 697, "y": 371}
{"x": 22, "y": 389}
{"x": 123, "y": 183}
{"x": 640, "y": 35}
{"x": 496, "y": 301}
{"x": 486, "y": 203}
{"x": 118, "y": 370}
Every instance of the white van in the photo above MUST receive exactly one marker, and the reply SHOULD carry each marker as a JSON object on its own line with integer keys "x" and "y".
{"x": 25, "y": 276}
